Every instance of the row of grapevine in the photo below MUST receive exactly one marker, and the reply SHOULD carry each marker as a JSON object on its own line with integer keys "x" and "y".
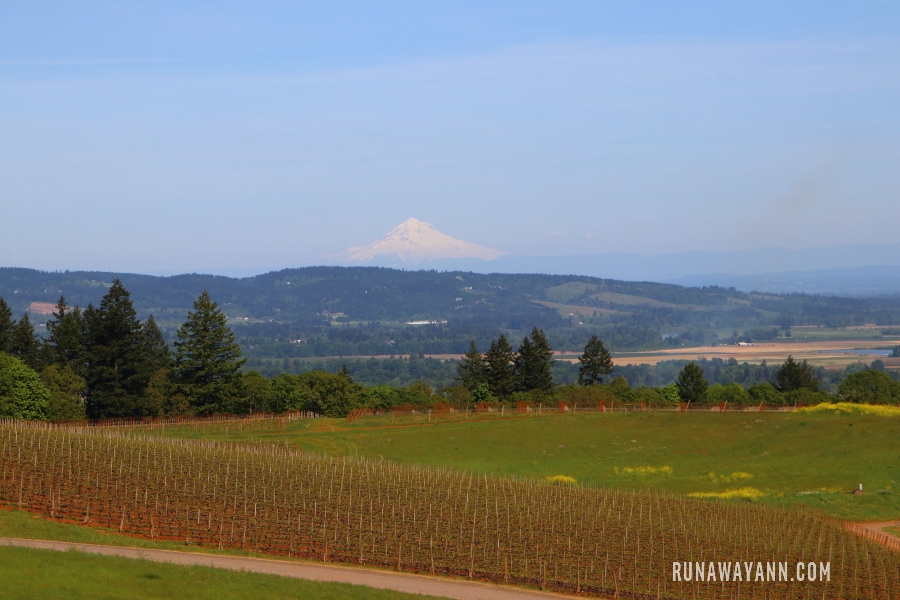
{"x": 274, "y": 499}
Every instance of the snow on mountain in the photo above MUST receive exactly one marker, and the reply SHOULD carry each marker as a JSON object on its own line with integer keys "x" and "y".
{"x": 413, "y": 242}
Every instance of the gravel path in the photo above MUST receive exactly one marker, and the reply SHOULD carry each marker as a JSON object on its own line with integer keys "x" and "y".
{"x": 400, "y": 582}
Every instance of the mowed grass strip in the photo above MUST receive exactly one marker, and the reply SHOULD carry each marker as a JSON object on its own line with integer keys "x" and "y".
{"x": 30, "y": 573}
{"x": 807, "y": 459}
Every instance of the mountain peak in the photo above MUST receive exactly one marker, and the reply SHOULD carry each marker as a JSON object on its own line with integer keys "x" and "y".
{"x": 415, "y": 241}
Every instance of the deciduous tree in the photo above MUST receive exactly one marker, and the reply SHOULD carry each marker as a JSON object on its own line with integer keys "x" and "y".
{"x": 22, "y": 395}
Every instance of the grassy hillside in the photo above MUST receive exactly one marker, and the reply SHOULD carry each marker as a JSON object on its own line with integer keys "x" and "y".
{"x": 794, "y": 459}
{"x": 362, "y": 311}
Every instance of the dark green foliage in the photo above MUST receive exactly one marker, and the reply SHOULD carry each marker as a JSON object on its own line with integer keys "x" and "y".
{"x": 255, "y": 396}
{"x": 24, "y": 343}
{"x": 207, "y": 359}
{"x": 156, "y": 347}
{"x": 6, "y": 326}
{"x": 116, "y": 368}
{"x": 66, "y": 392}
{"x": 22, "y": 395}
{"x": 620, "y": 388}
{"x": 501, "y": 377}
{"x": 870, "y": 387}
{"x": 289, "y": 309}
{"x": 472, "y": 368}
{"x": 64, "y": 344}
{"x": 692, "y": 387}
{"x": 595, "y": 363}
{"x": 329, "y": 394}
{"x": 765, "y": 393}
{"x": 534, "y": 363}
{"x": 793, "y": 375}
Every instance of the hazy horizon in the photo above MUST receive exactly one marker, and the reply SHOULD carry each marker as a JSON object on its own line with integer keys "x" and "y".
{"x": 228, "y": 137}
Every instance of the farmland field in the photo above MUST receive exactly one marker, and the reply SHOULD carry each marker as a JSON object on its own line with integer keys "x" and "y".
{"x": 274, "y": 499}
{"x": 796, "y": 459}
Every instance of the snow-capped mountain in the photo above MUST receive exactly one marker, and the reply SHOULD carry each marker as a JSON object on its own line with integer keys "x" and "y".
{"x": 414, "y": 242}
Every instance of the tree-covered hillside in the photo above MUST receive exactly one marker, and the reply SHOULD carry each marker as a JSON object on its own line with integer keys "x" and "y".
{"x": 337, "y": 311}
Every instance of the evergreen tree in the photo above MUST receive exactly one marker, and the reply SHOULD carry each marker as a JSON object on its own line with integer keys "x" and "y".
{"x": 65, "y": 344}
{"x": 207, "y": 359}
{"x": 472, "y": 368}
{"x": 691, "y": 385}
{"x": 793, "y": 375}
{"x": 595, "y": 363}
{"x": 24, "y": 344}
{"x": 155, "y": 344}
{"x": 116, "y": 370}
{"x": 534, "y": 363}
{"x": 501, "y": 376}
{"x": 6, "y": 326}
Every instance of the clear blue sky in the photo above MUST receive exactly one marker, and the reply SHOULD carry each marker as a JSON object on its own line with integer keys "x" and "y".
{"x": 157, "y": 136}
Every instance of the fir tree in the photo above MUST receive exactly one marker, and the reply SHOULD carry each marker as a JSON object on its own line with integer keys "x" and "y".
{"x": 501, "y": 376}
{"x": 65, "y": 344}
{"x": 207, "y": 359}
{"x": 534, "y": 363}
{"x": 155, "y": 345}
{"x": 793, "y": 375}
{"x": 595, "y": 363}
{"x": 6, "y": 326}
{"x": 691, "y": 385}
{"x": 116, "y": 367}
{"x": 472, "y": 368}
{"x": 24, "y": 344}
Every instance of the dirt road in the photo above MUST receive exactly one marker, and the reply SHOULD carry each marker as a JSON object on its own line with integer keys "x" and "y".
{"x": 875, "y": 532}
{"x": 400, "y": 582}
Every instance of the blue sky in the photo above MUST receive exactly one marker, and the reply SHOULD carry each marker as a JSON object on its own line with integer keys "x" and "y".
{"x": 168, "y": 137}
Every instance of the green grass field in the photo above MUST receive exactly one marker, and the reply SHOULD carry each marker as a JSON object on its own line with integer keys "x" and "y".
{"x": 23, "y": 571}
{"x": 28, "y": 573}
{"x": 794, "y": 459}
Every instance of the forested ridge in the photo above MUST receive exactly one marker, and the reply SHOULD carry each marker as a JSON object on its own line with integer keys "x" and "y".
{"x": 359, "y": 311}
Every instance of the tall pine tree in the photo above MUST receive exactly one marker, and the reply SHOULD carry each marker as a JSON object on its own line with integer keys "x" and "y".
{"x": 595, "y": 363}
{"x": 472, "y": 368}
{"x": 116, "y": 367}
{"x": 207, "y": 359}
{"x": 501, "y": 376}
{"x": 6, "y": 326}
{"x": 24, "y": 344}
{"x": 64, "y": 344}
{"x": 534, "y": 363}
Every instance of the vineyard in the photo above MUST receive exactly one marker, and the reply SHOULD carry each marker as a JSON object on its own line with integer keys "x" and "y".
{"x": 273, "y": 499}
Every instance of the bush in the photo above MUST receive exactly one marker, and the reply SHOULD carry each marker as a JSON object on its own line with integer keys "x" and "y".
{"x": 870, "y": 387}
{"x": 22, "y": 395}
{"x": 66, "y": 401}
{"x": 731, "y": 393}
{"x": 765, "y": 393}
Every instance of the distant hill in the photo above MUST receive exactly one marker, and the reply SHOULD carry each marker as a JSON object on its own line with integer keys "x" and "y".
{"x": 352, "y": 311}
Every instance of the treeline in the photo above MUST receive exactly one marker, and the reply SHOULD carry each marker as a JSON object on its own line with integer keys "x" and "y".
{"x": 360, "y": 311}
{"x": 104, "y": 362}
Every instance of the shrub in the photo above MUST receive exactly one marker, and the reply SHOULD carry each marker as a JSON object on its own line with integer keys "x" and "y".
{"x": 22, "y": 395}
